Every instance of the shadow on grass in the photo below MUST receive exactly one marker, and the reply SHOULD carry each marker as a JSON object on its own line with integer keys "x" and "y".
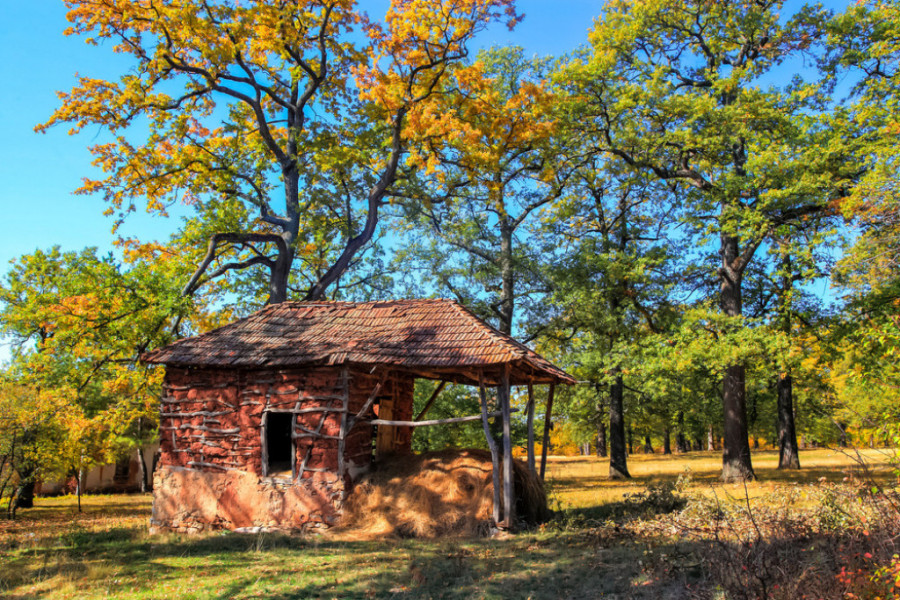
{"x": 290, "y": 567}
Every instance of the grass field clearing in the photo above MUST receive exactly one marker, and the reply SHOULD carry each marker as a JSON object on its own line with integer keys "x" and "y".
{"x": 54, "y": 552}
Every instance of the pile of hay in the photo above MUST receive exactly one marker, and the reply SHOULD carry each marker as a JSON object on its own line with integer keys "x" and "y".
{"x": 446, "y": 493}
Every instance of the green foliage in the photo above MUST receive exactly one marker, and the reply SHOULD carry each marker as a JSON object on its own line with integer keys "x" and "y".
{"x": 77, "y": 323}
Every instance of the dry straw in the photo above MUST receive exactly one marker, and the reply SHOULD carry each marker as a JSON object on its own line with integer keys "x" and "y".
{"x": 446, "y": 493}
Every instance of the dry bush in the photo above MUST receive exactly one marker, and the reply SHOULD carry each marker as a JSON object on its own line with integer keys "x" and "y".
{"x": 435, "y": 494}
{"x": 773, "y": 548}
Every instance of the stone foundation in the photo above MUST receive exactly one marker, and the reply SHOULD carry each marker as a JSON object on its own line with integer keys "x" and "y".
{"x": 190, "y": 501}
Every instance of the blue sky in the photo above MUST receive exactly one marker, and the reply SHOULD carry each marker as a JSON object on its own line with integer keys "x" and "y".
{"x": 38, "y": 172}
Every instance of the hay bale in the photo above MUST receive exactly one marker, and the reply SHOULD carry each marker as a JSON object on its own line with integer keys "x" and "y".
{"x": 447, "y": 493}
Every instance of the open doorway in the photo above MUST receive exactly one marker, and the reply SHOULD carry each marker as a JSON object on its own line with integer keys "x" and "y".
{"x": 279, "y": 444}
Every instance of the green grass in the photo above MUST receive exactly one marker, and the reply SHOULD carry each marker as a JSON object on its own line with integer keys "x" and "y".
{"x": 52, "y": 551}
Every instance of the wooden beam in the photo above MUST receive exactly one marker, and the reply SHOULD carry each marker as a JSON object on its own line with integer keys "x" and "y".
{"x": 369, "y": 402}
{"x": 530, "y": 412}
{"x": 304, "y": 411}
{"x": 345, "y": 375}
{"x": 431, "y": 400}
{"x": 547, "y": 425}
{"x": 509, "y": 490}
{"x": 492, "y": 444}
{"x": 434, "y": 421}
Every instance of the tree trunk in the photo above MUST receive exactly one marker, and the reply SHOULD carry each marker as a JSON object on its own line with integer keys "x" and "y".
{"x": 280, "y": 275}
{"x": 667, "y": 441}
{"x": 507, "y": 275}
{"x": 788, "y": 451}
{"x": 618, "y": 462}
{"x": 648, "y": 447}
{"x": 842, "y": 439}
{"x": 681, "y": 443}
{"x": 710, "y": 439}
{"x": 374, "y": 200}
{"x": 25, "y": 494}
{"x": 142, "y": 470}
{"x": 601, "y": 440}
{"x": 736, "y": 464}
{"x": 79, "y": 483}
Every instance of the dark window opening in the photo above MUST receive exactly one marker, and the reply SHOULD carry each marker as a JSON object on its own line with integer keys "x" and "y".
{"x": 123, "y": 470}
{"x": 279, "y": 445}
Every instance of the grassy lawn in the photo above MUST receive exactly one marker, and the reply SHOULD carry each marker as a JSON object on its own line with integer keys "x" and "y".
{"x": 602, "y": 545}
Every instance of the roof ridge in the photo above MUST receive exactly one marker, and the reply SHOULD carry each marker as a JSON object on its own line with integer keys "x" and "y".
{"x": 492, "y": 331}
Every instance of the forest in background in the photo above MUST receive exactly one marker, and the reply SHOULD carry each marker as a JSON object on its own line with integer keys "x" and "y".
{"x": 694, "y": 212}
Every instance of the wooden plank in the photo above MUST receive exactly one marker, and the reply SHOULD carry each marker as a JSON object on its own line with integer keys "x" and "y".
{"x": 304, "y": 411}
{"x": 434, "y": 421}
{"x": 369, "y": 402}
{"x": 495, "y": 470}
{"x": 315, "y": 435}
{"x": 303, "y": 468}
{"x": 384, "y": 439}
{"x": 547, "y": 425}
{"x": 293, "y": 447}
{"x": 197, "y": 413}
{"x": 509, "y": 490}
{"x": 342, "y": 436}
{"x": 197, "y": 463}
{"x": 530, "y": 412}
{"x": 210, "y": 429}
{"x": 265, "y": 449}
{"x": 431, "y": 400}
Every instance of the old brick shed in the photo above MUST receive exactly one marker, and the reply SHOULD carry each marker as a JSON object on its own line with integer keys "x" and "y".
{"x": 268, "y": 421}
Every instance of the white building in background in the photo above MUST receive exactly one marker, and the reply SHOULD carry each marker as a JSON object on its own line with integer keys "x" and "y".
{"x": 122, "y": 476}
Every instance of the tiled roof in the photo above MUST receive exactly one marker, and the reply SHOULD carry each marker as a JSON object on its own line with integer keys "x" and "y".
{"x": 416, "y": 335}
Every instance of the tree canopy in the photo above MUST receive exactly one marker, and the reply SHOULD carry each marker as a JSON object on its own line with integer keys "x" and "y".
{"x": 695, "y": 211}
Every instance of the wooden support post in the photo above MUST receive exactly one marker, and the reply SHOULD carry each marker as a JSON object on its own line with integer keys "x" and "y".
{"x": 342, "y": 436}
{"x": 530, "y": 417}
{"x": 431, "y": 400}
{"x": 265, "y": 443}
{"x": 495, "y": 459}
{"x": 509, "y": 490}
{"x": 547, "y": 425}
{"x": 294, "y": 464}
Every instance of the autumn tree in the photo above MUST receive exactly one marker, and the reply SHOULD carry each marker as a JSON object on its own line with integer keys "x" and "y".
{"x": 678, "y": 90}
{"x": 264, "y": 117}
{"x": 77, "y": 323}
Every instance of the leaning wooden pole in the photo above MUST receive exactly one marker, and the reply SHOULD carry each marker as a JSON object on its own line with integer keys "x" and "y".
{"x": 530, "y": 417}
{"x": 495, "y": 471}
{"x": 509, "y": 486}
{"x": 547, "y": 425}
